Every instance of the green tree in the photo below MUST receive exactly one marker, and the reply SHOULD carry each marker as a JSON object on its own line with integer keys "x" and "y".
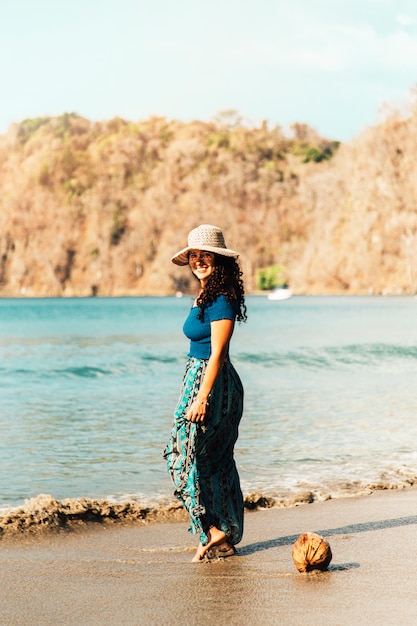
{"x": 270, "y": 277}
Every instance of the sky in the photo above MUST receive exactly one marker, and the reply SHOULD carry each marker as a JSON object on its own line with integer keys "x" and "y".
{"x": 336, "y": 65}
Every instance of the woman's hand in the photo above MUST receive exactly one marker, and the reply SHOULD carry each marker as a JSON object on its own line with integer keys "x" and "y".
{"x": 221, "y": 332}
{"x": 197, "y": 411}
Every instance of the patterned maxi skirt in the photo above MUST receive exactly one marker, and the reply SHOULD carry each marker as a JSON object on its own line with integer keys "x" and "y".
{"x": 200, "y": 456}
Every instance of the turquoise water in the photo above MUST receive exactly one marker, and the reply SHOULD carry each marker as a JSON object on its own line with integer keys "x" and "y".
{"x": 88, "y": 388}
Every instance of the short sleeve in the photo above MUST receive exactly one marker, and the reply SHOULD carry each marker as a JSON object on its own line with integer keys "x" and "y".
{"x": 221, "y": 309}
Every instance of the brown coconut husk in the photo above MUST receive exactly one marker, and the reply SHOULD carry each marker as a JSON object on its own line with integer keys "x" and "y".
{"x": 311, "y": 551}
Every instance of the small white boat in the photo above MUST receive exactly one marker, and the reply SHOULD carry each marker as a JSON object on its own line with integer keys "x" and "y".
{"x": 280, "y": 293}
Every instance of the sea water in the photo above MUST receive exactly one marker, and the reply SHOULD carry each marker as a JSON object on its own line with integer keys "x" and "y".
{"x": 88, "y": 388}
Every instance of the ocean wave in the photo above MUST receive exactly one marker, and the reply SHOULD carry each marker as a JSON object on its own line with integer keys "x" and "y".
{"x": 347, "y": 357}
{"x": 44, "y": 513}
{"x": 83, "y": 372}
{"x": 66, "y": 372}
{"x": 91, "y": 371}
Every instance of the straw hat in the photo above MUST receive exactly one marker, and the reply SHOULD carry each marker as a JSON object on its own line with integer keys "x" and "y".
{"x": 204, "y": 237}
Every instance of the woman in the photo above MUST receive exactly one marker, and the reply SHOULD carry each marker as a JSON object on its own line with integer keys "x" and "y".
{"x": 200, "y": 452}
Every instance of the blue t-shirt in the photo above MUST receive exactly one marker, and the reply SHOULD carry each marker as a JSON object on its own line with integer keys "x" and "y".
{"x": 199, "y": 331}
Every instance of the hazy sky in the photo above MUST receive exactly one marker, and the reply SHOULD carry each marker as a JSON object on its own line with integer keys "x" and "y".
{"x": 330, "y": 63}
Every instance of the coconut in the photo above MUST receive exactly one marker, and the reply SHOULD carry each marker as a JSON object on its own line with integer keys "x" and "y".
{"x": 311, "y": 551}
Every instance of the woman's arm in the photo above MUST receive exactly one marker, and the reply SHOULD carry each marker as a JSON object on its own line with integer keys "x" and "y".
{"x": 221, "y": 333}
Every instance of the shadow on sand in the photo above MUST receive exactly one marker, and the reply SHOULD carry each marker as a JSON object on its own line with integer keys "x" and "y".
{"x": 342, "y": 530}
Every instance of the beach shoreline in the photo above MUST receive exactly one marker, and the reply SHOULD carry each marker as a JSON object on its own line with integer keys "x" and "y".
{"x": 142, "y": 573}
{"x": 44, "y": 513}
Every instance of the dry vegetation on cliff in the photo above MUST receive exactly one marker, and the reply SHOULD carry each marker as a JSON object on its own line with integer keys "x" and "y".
{"x": 99, "y": 208}
{"x": 364, "y": 235}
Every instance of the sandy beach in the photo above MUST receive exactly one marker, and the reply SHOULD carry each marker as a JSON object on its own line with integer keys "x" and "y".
{"x": 142, "y": 574}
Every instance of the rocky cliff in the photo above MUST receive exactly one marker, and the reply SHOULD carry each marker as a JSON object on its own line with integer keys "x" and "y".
{"x": 98, "y": 208}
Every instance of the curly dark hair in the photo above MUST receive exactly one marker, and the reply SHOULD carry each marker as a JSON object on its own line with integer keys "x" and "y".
{"x": 226, "y": 280}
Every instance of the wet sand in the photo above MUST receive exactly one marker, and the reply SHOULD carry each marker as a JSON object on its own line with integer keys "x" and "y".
{"x": 142, "y": 574}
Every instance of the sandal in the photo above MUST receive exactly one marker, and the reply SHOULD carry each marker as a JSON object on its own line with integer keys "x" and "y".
{"x": 220, "y": 552}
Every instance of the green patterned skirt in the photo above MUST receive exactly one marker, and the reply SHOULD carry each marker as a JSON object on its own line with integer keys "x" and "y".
{"x": 200, "y": 456}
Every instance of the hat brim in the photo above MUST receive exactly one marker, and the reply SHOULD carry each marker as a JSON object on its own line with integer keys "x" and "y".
{"x": 181, "y": 258}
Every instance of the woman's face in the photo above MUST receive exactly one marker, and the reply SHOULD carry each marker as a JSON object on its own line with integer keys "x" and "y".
{"x": 202, "y": 264}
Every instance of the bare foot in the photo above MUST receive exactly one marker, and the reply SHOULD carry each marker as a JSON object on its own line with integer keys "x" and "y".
{"x": 215, "y": 537}
{"x": 224, "y": 546}
{"x": 199, "y": 554}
